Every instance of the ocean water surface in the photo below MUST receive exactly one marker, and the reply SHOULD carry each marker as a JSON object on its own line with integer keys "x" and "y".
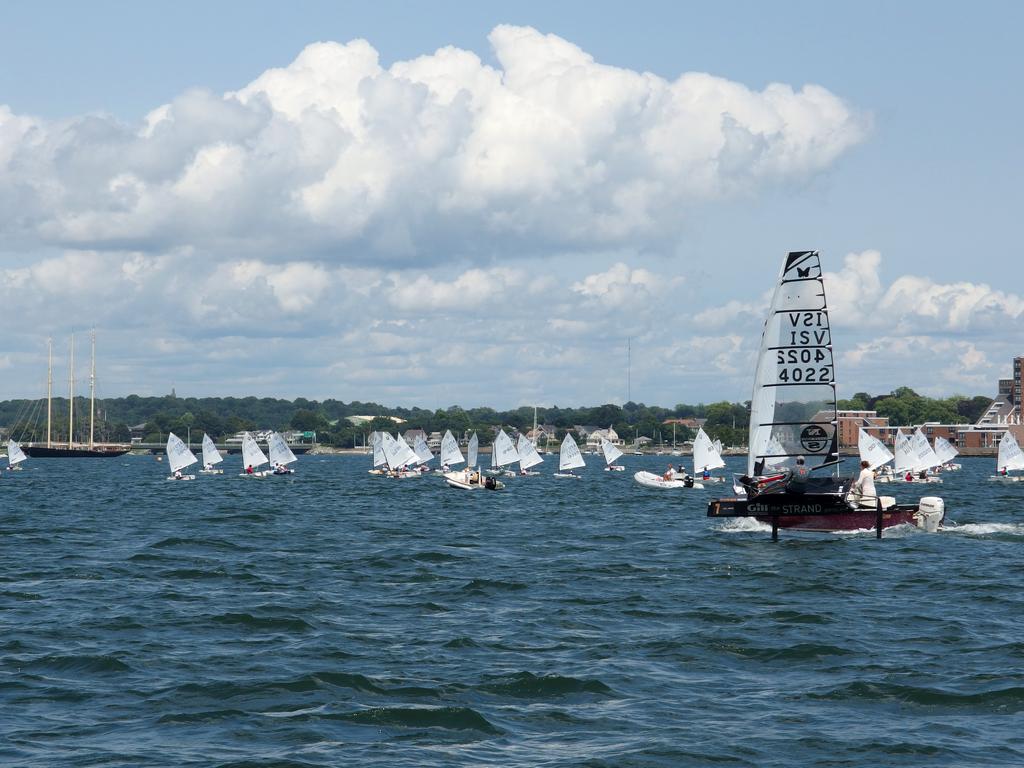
{"x": 334, "y": 618}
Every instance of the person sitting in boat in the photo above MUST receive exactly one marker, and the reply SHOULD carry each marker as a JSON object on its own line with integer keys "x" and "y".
{"x": 670, "y": 474}
{"x": 923, "y": 474}
{"x": 249, "y": 470}
{"x": 706, "y": 475}
{"x": 1003, "y": 472}
{"x": 207, "y": 466}
{"x": 177, "y": 474}
{"x": 864, "y": 487}
{"x": 910, "y": 476}
{"x": 798, "y": 476}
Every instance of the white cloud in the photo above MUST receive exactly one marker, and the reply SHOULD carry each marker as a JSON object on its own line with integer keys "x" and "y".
{"x": 337, "y": 156}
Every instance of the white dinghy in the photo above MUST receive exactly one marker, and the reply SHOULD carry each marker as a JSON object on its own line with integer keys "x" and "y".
{"x": 528, "y": 456}
{"x": 946, "y": 453}
{"x": 470, "y": 478}
{"x": 380, "y": 461}
{"x": 662, "y": 482}
{"x": 503, "y": 453}
{"x": 925, "y": 460}
{"x": 179, "y": 456}
{"x": 569, "y": 458}
{"x": 706, "y": 458}
{"x": 280, "y": 455}
{"x": 399, "y": 457}
{"x": 423, "y": 453}
{"x": 211, "y": 457}
{"x": 1010, "y": 458}
{"x": 14, "y": 456}
{"x": 611, "y": 455}
{"x": 451, "y": 455}
{"x": 252, "y": 458}
{"x": 875, "y": 453}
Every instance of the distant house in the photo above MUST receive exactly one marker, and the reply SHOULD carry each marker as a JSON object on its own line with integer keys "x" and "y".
{"x": 360, "y": 420}
{"x": 543, "y": 432}
{"x": 595, "y": 437}
{"x": 689, "y": 422}
{"x": 643, "y": 440}
{"x": 434, "y": 441}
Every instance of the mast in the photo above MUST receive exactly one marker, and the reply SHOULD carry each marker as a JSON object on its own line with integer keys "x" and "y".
{"x": 92, "y": 392}
{"x": 534, "y": 425}
{"x": 629, "y": 350}
{"x": 71, "y": 395}
{"x": 49, "y": 392}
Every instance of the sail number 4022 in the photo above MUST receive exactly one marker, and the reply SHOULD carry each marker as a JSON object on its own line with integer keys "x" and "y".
{"x": 806, "y": 374}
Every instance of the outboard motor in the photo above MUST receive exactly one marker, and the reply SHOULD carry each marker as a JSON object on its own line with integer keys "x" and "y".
{"x": 930, "y": 512}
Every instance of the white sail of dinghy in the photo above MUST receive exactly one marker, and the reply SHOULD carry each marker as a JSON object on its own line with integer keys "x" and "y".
{"x": 1010, "y": 455}
{"x": 793, "y": 407}
{"x": 450, "y": 453}
{"x": 422, "y": 450}
{"x": 569, "y": 456}
{"x": 924, "y": 455}
{"x": 252, "y": 456}
{"x": 503, "y": 452}
{"x": 611, "y": 452}
{"x": 872, "y": 450}
{"x": 904, "y": 458}
{"x": 718, "y": 446}
{"x": 211, "y": 456}
{"x": 528, "y": 456}
{"x": 178, "y": 455}
{"x": 945, "y": 450}
{"x": 473, "y": 451}
{"x": 377, "y": 443}
{"x": 14, "y": 454}
{"x": 398, "y": 453}
{"x": 280, "y": 454}
{"x": 705, "y": 457}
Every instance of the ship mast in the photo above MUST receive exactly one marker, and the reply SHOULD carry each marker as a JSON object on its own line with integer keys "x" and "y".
{"x": 49, "y": 392}
{"x": 92, "y": 392}
{"x": 71, "y": 395}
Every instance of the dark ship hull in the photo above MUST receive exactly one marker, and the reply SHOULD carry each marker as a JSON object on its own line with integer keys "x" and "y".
{"x": 77, "y": 452}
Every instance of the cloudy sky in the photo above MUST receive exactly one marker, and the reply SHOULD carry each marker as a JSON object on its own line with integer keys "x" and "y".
{"x": 428, "y": 204}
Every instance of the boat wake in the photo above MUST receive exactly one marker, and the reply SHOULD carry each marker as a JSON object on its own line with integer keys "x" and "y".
{"x": 985, "y": 529}
{"x": 743, "y": 525}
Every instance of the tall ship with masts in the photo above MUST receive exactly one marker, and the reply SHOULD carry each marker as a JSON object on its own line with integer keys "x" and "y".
{"x": 71, "y": 448}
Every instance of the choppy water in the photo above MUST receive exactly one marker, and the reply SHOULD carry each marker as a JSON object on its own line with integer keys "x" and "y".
{"x": 334, "y": 618}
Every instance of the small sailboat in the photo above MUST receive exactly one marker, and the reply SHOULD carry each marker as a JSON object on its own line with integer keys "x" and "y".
{"x": 380, "y": 461}
{"x": 792, "y": 468}
{"x": 706, "y": 458}
{"x": 280, "y": 455}
{"x": 14, "y": 456}
{"x": 569, "y": 458}
{"x": 252, "y": 458}
{"x": 874, "y": 452}
{"x": 450, "y": 452}
{"x": 470, "y": 479}
{"x": 528, "y": 456}
{"x": 211, "y": 457}
{"x": 1010, "y": 458}
{"x": 423, "y": 453}
{"x": 399, "y": 457}
{"x": 503, "y": 453}
{"x": 178, "y": 457}
{"x": 946, "y": 453}
{"x": 612, "y": 453}
{"x": 924, "y": 459}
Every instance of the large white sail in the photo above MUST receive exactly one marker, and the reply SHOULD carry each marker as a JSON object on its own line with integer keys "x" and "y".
{"x": 397, "y": 452}
{"x": 569, "y": 456}
{"x": 610, "y": 450}
{"x": 872, "y": 450}
{"x": 422, "y": 450}
{"x": 924, "y": 456}
{"x": 503, "y": 451}
{"x": 14, "y": 453}
{"x": 945, "y": 450}
{"x": 377, "y": 441}
{"x": 252, "y": 455}
{"x": 704, "y": 454}
{"x": 1010, "y": 455}
{"x": 904, "y": 454}
{"x": 178, "y": 454}
{"x": 211, "y": 455}
{"x": 528, "y": 456}
{"x": 793, "y": 407}
{"x": 473, "y": 451}
{"x": 280, "y": 453}
{"x": 450, "y": 453}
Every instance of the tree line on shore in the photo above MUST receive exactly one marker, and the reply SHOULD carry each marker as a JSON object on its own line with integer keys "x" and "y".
{"x": 222, "y": 417}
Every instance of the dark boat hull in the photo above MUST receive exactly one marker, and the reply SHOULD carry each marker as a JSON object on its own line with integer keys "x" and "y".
{"x": 812, "y": 512}
{"x": 99, "y": 452}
